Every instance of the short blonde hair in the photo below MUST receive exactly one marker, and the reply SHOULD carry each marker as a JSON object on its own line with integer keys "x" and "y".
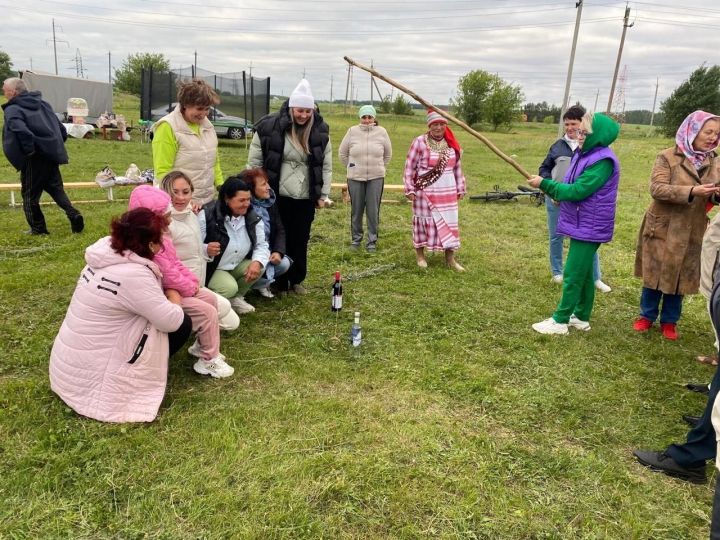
{"x": 586, "y": 122}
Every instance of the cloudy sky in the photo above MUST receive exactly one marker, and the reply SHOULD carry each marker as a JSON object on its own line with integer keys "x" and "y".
{"x": 427, "y": 45}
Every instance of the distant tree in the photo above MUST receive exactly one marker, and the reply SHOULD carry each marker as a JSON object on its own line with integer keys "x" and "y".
{"x": 128, "y": 77}
{"x": 385, "y": 105}
{"x": 483, "y": 97}
{"x": 6, "y": 69}
{"x": 700, "y": 91}
{"x": 401, "y": 106}
{"x": 538, "y": 112}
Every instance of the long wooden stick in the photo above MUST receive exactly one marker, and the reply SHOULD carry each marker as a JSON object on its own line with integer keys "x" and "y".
{"x": 446, "y": 115}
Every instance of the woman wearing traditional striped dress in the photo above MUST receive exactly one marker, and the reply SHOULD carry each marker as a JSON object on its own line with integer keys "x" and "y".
{"x": 434, "y": 182}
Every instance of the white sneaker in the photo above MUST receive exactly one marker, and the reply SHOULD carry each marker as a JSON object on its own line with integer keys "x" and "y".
{"x": 557, "y": 278}
{"x": 550, "y": 326}
{"x": 265, "y": 293}
{"x": 194, "y": 350}
{"x": 240, "y": 305}
{"x": 602, "y": 287}
{"x": 576, "y": 323}
{"x": 217, "y": 367}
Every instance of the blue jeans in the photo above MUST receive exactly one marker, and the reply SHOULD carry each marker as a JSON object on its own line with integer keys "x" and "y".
{"x": 650, "y": 305}
{"x": 556, "y": 242}
{"x": 282, "y": 267}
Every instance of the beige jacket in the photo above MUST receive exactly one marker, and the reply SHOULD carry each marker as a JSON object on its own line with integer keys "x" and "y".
{"x": 196, "y": 154}
{"x": 365, "y": 151}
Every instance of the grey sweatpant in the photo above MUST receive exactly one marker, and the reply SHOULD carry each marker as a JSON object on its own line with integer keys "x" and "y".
{"x": 365, "y": 197}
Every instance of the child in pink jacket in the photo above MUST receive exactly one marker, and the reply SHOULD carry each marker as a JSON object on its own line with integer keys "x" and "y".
{"x": 198, "y": 302}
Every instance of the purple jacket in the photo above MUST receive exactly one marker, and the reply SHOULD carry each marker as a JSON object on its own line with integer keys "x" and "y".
{"x": 592, "y": 219}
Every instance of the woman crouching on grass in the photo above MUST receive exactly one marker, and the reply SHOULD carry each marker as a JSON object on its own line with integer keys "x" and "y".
{"x": 587, "y": 197}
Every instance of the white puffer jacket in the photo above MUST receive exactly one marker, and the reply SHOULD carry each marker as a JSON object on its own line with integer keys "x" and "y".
{"x": 365, "y": 151}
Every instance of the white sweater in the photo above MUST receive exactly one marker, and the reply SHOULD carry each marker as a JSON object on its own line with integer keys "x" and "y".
{"x": 365, "y": 151}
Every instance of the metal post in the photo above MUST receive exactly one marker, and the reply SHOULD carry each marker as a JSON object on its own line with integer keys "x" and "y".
{"x": 652, "y": 116}
{"x": 619, "y": 57}
{"x": 54, "y": 46}
{"x": 564, "y": 105}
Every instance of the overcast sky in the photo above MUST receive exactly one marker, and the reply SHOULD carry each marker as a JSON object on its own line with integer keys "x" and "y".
{"x": 427, "y": 45}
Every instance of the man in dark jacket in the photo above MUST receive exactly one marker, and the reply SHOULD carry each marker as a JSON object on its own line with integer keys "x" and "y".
{"x": 34, "y": 143}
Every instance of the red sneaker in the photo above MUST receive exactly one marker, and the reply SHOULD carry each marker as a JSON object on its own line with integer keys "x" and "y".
{"x": 669, "y": 330}
{"x": 642, "y": 324}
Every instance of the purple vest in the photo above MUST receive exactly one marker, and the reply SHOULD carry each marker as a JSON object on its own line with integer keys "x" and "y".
{"x": 592, "y": 219}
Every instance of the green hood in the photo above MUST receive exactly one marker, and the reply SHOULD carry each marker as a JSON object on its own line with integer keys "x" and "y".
{"x": 604, "y": 132}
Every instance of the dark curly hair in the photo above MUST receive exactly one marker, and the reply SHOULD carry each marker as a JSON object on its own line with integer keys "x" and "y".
{"x": 134, "y": 230}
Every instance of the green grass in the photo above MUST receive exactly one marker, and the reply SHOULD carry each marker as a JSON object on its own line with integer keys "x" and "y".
{"x": 453, "y": 420}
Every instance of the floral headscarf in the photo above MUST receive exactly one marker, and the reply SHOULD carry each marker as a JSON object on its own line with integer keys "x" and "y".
{"x": 687, "y": 132}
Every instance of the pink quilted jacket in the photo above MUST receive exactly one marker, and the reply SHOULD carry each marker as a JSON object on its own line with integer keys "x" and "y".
{"x": 175, "y": 275}
{"x": 110, "y": 357}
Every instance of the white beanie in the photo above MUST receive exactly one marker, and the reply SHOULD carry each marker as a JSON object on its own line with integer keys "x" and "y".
{"x": 302, "y": 96}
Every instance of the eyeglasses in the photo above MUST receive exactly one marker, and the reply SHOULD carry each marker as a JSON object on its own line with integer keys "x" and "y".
{"x": 579, "y": 132}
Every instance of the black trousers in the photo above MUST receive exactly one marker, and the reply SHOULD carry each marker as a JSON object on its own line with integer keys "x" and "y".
{"x": 297, "y": 216}
{"x": 715, "y": 523}
{"x": 178, "y": 338}
{"x": 38, "y": 175}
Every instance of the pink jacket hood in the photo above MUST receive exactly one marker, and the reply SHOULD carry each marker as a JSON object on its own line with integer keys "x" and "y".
{"x": 149, "y": 197}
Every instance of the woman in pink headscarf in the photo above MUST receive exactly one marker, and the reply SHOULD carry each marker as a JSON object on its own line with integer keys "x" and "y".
{"x": 434, "y": 182}
{"x": 684, "y": 184}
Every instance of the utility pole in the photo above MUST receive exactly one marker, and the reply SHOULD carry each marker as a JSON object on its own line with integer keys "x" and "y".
{"x": 331, "y": 88}
{"x": 652, "y": 116}
{"x": 250, "y": 67}
{"x": 597, "y": 96}
{"x": 619, "y": 56}
{"x": 109, "y": 68}
{"x": 195, "y": 65}
{"x": 54, "y": 46}
{"x": 347, "y": 88}
{"x": 55, "y": 40}
{"x": 563, "y": 107}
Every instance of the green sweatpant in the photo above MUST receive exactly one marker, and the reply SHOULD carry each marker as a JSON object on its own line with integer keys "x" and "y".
{"x": 230, "y": 283}
{"x": 578, "y": 292}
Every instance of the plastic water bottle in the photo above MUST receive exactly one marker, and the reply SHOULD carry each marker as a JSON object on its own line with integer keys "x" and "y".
{"x": 356, "y": 331}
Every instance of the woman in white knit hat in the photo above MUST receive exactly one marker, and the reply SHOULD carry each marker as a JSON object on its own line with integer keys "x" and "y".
{"x": 365, "y": 151}
{"x": 293, "y": 146}
{"x": 434, "y": 182}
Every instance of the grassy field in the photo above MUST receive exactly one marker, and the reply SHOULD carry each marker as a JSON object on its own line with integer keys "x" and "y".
{"x": 453, "y": 420}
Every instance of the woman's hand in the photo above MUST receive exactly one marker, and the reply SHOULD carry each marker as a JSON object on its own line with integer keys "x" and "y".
{"x": 253, "y": 272}
{"x": 320, "y": 203}
{"x": 213, "y": 249}
{"x": 275, "y": 258}
{"x": 461, "y": 196}
{"x": 410, "y": 197}
{"x": 703, "y": 190}
{"x": 195, "y": 207}
{"x": 173, "y": 296}
{"x": 534, "y": 181}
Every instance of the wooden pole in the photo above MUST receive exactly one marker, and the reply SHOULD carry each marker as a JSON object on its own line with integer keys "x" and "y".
{"x": 444, "y": 114}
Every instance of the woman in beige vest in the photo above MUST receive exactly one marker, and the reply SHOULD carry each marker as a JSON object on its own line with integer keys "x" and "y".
{"x": 185, "y": 140}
